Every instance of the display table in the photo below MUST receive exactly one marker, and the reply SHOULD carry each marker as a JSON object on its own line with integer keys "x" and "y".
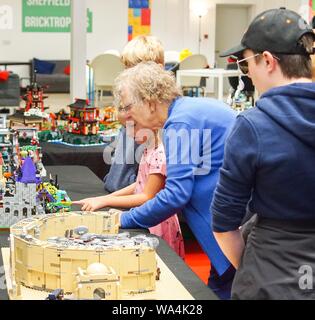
{"x": 220, "y": 74}
{"x": 80, "y": 182}
{"x": 90, "y": 156}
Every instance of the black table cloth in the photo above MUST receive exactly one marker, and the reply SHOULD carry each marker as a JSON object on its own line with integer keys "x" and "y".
{"x": 55, "y": 154}
{"x": 80, "y": 183}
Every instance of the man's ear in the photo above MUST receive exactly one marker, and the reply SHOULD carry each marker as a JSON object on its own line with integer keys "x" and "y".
{"x": 270, "y": 61}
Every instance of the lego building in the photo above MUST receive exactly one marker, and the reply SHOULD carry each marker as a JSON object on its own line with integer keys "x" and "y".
{"x": 83, "y": 119}
{"x": 19, "y": 197}
{"x": 83, "y": 124}
{"x": 52, "y": 252}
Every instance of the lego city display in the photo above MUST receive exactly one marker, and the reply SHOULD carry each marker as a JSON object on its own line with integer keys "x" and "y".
{"x": 51, "y": 198}
{"x": 82, "y": 254}
{"x": 18, "y": 194}
{"x": 34, "y": 99}
{"x": 4, "y": 134}
{"x": 109, "y": 125}
{"x": 55, "y": 127}
{"x": 27, "y": 136}
{"x": 109, "y": 119}
{"x": 59, "y": 120}
{"x": 21, "y": 143}
{"x": 83, "y": 124}
{"x": 80, "y": 127}
{"x": 33, "y": 114}
{"x": 22, "y": 192}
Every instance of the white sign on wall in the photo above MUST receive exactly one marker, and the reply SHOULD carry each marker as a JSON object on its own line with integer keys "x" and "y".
{"x": 6, "y": 17}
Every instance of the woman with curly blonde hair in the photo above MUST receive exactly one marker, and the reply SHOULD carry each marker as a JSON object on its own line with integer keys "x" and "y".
{"x": 194, "y": 132}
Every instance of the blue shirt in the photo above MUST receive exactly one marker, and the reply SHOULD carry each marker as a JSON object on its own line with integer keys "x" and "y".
{"x": 269, "y": 164}
{"x": 193, "y": 161}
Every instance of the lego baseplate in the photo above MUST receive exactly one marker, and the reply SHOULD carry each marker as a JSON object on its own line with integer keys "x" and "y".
{"x": 167, "y": 288}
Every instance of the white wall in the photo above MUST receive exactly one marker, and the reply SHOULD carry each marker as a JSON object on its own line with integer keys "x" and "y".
{"x": 172, "y": 22}
{"x": 109, "y": 31}
{"x": 209, "y": 22}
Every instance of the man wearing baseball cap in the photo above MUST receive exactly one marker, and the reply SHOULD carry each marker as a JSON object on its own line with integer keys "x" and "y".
{"x": 269, "y": 165}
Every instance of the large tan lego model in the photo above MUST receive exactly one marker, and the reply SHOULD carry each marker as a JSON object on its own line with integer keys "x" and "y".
{"x": 83, "y": 254}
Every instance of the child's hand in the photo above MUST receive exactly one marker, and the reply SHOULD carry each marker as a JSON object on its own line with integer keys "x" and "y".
{"x": 91, "y": 204}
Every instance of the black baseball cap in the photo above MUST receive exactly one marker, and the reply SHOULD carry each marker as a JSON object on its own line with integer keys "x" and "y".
{"x": 275, "y": 30}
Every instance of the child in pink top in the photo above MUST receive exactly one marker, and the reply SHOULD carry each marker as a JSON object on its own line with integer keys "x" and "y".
{"x": 150, "y": 180}
{"x": 153, "y": 161}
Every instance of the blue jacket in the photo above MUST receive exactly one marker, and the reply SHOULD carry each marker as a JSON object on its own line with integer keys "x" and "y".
{"x": 193, "y": 164}
{"x": 124, "y": 167}
{"x": 270, "y": 160}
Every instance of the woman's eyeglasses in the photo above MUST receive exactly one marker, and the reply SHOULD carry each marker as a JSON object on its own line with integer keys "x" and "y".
{"x": 126, "y": 108}
{"x": 243, "y": 64}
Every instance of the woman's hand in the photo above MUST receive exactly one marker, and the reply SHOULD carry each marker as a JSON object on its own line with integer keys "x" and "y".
{"x": 91, "y": 204}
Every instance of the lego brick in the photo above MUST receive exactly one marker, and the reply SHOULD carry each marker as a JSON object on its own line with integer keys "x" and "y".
{"x": 145, "y": 3}
{"x": 136, "y": 13}
{"x": 145, "y": 17}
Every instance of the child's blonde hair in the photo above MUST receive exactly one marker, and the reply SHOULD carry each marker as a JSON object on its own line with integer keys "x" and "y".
{"x": 143, "y": 49}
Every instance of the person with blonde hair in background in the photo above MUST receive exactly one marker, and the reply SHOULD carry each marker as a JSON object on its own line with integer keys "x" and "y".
{"x": 124, "y": 167}
{"x": 143, "y": 49}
